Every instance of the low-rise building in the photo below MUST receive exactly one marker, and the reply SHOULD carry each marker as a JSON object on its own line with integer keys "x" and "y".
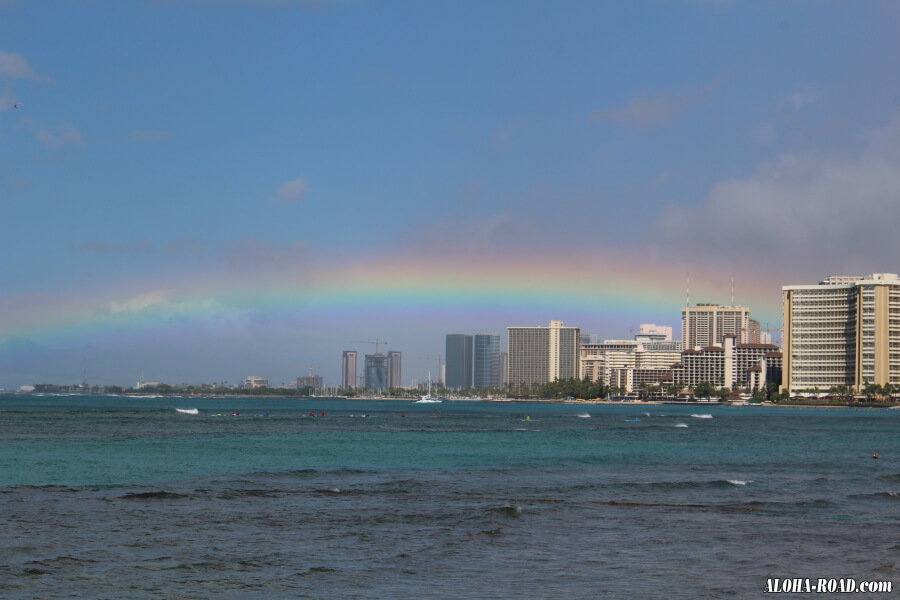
{"x": 256, "y": 381}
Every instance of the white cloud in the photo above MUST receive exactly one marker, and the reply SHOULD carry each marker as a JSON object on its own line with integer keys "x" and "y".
{"x": 292, "y": 192}
{"x": 237, "y": 254}
{"x": 503, "y": 134}
{"x": 802, "y": 211}
{"x": 139, "y": 303}
{"x": 65, "y": 136}
{"x": 802, "y": 98}
{"x": 645, "y": 112}
{"x": 642, "y": 112}
{"x": 250, "y": 253}
{"x": 14, "y": 65}
{"x": 150, "y": 135}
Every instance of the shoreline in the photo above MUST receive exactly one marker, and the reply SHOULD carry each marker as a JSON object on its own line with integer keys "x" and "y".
{"x": 413, "y": 400}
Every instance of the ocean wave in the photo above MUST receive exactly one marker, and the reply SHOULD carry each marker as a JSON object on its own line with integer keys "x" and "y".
{"x": 188, "y": 411}
{"x": 680, "y": 425}
{"x": 234, "y": 494}
{"x": 687, "y": 485}
{"x": 508, "y": 510}
{"x": 158, "y": 495}
{"x": 703, "y": 416}
{"x": 877, "y": 496}
{"x": 894, "y": 477}
{"x": 583, "y": 416}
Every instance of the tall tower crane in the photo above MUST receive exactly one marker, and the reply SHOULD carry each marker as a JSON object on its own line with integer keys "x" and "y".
{"x": 376, "y": 341}
{"x": 439, "y": 358}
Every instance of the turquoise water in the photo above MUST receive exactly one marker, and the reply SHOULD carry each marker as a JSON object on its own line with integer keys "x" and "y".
{"x": 449, "y": 500}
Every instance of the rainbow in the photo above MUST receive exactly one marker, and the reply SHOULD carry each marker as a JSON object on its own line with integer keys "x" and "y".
{"x": 499, "y": 290}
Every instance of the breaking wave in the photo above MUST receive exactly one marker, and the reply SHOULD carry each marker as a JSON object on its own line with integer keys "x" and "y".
{"x": 703, "y": 416}
{"x": 188, "y": 411}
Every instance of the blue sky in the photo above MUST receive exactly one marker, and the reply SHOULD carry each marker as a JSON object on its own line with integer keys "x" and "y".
{"x": 210, "y": 149}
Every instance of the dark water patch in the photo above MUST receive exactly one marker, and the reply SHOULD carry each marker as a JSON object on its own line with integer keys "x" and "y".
{"x": 722, "y": 507}
{"x": 662, "y": 486}
{"x": 774, "y": 505}
{"x": 214, "y": 565}
{"x": 511, "y": 510}
{"x": 158, "y": 495}
{"x": 312, "y": 571}
{"x": 236, "y": 494}
{"x": 497, "y": 531}
{"x": 283, "y": 474}
{"x": 45, "y": 488}
{"x": 893, "y": 496}
{"x": 33, "y": 571}
{"x": 62, "y": 561}
{"x": 163, "y": 563}
{"x": 894, "y": 477}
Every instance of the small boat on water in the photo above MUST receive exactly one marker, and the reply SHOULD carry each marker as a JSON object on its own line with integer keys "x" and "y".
{"x": 428, "y": 398}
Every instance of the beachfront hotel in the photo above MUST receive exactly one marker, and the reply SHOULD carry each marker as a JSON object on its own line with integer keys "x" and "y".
{"x": 843, "y": 331}
{"x": 706, "y": 325}
{"x": 537, "y": 355}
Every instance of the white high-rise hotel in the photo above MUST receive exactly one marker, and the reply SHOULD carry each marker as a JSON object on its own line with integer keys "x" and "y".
{"x": 542, "y": 354}
{"x": 843, "y": 331}
{"x": 707, "y": 325}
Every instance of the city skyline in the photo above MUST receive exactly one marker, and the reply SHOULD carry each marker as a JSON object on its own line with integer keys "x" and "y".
{"x": 208, "y": 190}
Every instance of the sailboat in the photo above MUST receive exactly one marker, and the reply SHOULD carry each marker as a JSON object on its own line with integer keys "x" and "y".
{"x": 429, "y": 399}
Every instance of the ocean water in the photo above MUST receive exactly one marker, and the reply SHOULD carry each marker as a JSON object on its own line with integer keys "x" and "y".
{"x": 114, "y": 497}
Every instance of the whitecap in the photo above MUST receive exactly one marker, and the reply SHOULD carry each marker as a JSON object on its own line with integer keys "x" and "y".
{"x": 739, "y": 481}
{"x": 583, "y": 416}
{"x": 704, "y": 416}
{"x": 680, "y": 425}
{"x": 188, "y": 411}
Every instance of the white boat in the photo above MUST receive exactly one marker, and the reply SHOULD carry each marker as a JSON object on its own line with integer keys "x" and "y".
{"x": 428, "y": 398}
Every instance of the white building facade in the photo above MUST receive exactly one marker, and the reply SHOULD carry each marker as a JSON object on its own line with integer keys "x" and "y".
{"x": 537, "y": 355}
{"x": 843, "y": 331}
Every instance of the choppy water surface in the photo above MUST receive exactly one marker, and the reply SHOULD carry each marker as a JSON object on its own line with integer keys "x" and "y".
{"x": 131, "y": 498}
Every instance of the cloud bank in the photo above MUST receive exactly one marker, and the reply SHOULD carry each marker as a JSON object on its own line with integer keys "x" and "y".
{"x": 292, "y": 192}
{"x": 817, "y": 213}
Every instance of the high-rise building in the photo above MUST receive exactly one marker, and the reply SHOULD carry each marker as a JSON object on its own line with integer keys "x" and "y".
{"x": 393, "y": 369}
{"x": 589, "y": 338}
{"x": 459, "y": 361}
{"x": 843, "y": 331}
{"x": 376, "y": 371}
{"x": 707, "y": 324}
{"x": 731, "y": 365}
{"x": 504, "y": 369}
{"x": 313, "y": 381}
{"x": 539, "y": 355}
{"x": 653, "y": 333}
{"x": 487, "y": 361}
{"x": 608, "y": 360}
{"x": 348, "y": 370}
